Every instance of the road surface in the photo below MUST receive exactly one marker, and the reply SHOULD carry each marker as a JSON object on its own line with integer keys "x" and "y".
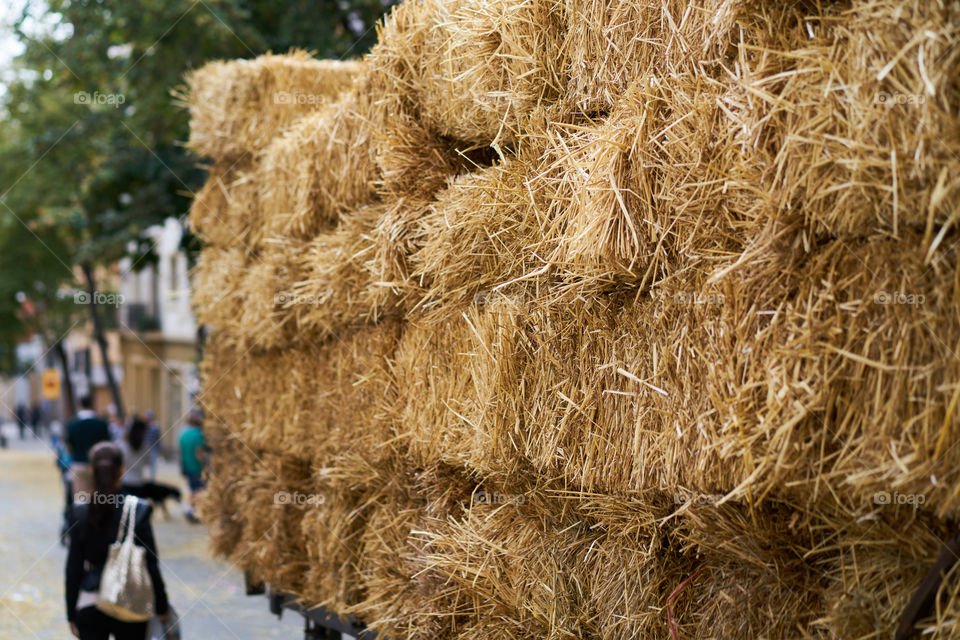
{"x": 206, "y": 592}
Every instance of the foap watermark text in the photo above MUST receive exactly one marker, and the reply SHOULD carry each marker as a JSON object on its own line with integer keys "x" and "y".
{"x": 98, "y": 297}
{"x": 297, "y": 499}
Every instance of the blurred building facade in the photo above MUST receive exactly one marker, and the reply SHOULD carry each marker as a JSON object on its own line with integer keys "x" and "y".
{"x": 151, "y": 339}
{"x": 157, "y": 332}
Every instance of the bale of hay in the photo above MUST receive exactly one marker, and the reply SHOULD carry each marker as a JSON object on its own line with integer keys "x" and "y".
{"x": 402, "y": 598}
{"x": 684, "y": 388}
{"x": 220, "y": 505}
{"x": 437, "y": 402}
{"x": 870, "y": 569}
{"x": 272, "y": 545}
{"x": 856, "y": 117}
{"x": 488, "y": 229}
{"x": 319, "y": 169}
{"x": 838, "y": 377}
{"x": 660, "y": 185}
{"x": 609, "y": 44}
{"x": 471, "y": 70}
{"x": 692, "y": 154}
{"x": 416, "y": 163}
{"x": 238, "y": 107}
{"x": 339, "y": 288}
{"x": 264, "y": 322}
{"x": 216, "y": 286}
{"x": 226, "y": 211}
{"x": 324, "y": 403}
{"x": 398, "y": 233}
{"x": 516, "y": 565}
{"x": 338, "y": 396}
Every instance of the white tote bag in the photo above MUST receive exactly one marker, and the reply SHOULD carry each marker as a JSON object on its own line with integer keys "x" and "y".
{"x": 126, "y": 590}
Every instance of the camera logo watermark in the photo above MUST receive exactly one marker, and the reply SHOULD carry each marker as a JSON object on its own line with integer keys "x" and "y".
{"x": 687, "y": 297}
{"x": 884, "y": 297}
{"x": 98, "y": 297}
{"x": 891, "y": 99}
{"x": 97, "y": 497}
{"x": 692, "y": 497}
{"x": 285, "y": 298}
{"x": 299, "y": 98}
{"x": 485, "y": 298}
{"x": 297, "y": 499}
{"x": 483, "y": 497}
{"x": 100, "y": 99}
{"x": 884, "y": 497}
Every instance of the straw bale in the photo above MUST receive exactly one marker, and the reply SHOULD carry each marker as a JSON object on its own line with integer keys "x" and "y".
{"x": 340, "y": 287}
{"x": 319, "y": 169}
{"x": 489, "y": 228}
{"x": 516, "y": 566}
{"x": 660, "y": 185}
{"x": 220, "y": 505}
{"x": 846, "y": 351}
{"x": 473, "y": 70}
{"x": 336, "y": 397}
{"x": 608, "y": 44}
{"x": 216, "y": 286}
{"x": 747, "y": 560}
{"x": 272, "y": 545}
{"x": 795, "y": 126}
{"x": 238, "y": 107}
{"x": 226, "y": 211}
{"x": 839, "y": 373}
{"x": 399, "y": 232}
{"x": 856, "y": 116}
{"x": 436, "y": 398}
{"x": 870, "y": 570}
{"x": 403, "y": 599}
{"x": 589, "y": 208}
{"x": 415, "y": 162}
{"x": 264, "y": 322}
{"x": 333, "y": 524}
{"x": 323, "y": 402}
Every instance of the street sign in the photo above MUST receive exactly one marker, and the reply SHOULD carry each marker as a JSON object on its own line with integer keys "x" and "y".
{"x": 50, "y": 383}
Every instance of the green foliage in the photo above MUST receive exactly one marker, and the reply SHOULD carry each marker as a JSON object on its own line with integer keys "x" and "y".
{"x": 90, "y": 153}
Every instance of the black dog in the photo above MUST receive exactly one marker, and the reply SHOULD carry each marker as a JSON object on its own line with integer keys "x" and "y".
{"x": 155, "y": 492}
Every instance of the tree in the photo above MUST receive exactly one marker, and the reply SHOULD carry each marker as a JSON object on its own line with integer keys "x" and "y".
{"x": 93, "y": 152}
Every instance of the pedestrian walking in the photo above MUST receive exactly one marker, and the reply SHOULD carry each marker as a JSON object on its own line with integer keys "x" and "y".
{"x": 135, "y": 453}
{"x": 36, "y": 419}
{"x": 94, "y": 526}
{"x": 193, "y": 458}
{"x": 83, "y": 432}
{"x": 116, "y": 423}
{"x": 154, "y": 442}
{"x": 21, "y": 413}
{"x": 63, "y": 466}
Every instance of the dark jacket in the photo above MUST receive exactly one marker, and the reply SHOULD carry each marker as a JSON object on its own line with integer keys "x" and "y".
{"x": 88, "y": 553}
{"x": 83, "y": 433}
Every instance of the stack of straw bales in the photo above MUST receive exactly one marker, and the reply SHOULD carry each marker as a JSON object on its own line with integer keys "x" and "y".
{"x": 591, "y": 319}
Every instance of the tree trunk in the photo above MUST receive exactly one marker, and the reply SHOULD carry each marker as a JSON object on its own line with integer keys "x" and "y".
{"x": 67, "y": 385}
{"x": 100, "y": 338}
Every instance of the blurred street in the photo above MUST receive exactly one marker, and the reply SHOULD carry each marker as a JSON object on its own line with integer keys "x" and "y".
{"x": 206, "y": 592}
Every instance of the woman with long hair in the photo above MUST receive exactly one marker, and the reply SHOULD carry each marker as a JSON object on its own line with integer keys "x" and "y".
{"x": 134, "y": 456}
{"x": 94, "y": 525}
{"x": 136, "y": 452}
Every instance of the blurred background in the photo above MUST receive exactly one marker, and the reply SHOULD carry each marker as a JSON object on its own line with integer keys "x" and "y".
{"x": 95, "y": 184}
{"x": 95, "y": 255}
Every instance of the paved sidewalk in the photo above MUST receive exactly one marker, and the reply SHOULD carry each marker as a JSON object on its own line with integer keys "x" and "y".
{"x": 207, "y": 592}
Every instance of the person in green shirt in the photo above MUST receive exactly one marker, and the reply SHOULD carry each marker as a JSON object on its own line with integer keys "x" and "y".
{"x": 193, "y": 458}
